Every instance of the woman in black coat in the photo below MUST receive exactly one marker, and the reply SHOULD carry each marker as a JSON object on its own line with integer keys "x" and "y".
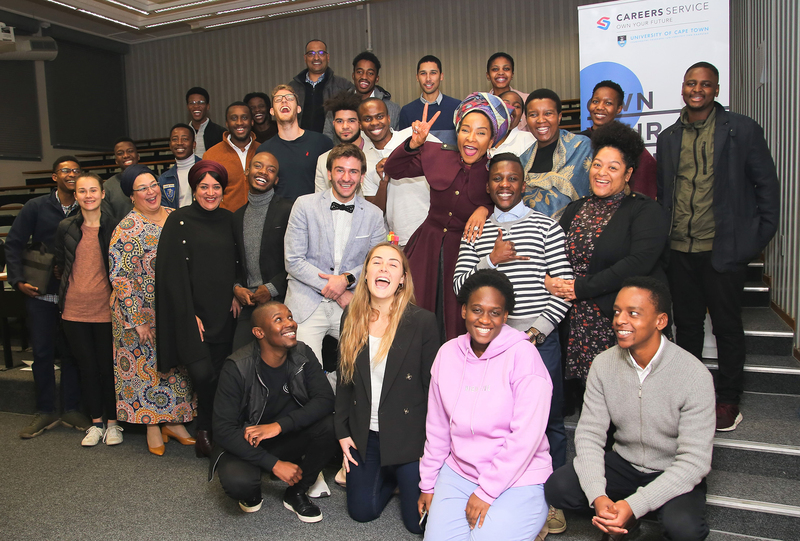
{"x": 195, "y": 306}
{"x": 81, "y": 258}
{"x": 386, "y": 351}
{"x": 611, "y": 235}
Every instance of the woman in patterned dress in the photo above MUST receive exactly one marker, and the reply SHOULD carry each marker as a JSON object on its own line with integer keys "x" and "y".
{"x": 611, "y": 235}
{"x": 144, "y": 395}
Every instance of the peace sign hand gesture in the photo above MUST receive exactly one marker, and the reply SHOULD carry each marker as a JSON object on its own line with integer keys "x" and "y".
{"x": 421, "y": 128}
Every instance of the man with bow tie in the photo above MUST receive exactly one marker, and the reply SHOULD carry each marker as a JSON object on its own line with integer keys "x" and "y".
{"x": 327, "y": 239}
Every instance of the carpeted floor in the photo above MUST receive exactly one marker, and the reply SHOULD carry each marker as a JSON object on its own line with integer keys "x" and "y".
{"x": 54, "y": 489}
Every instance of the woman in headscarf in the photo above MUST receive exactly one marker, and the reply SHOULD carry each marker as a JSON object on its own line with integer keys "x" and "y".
{"x": 194, "y": 290}
{"x": 459, "y": 202}
{"x": 144, "y": 395}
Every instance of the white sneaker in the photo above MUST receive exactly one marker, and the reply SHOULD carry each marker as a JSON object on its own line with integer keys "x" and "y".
{"x": 93, "y": 436}
{"x": 113, "y": 435}
{"x": 319, "y": 489}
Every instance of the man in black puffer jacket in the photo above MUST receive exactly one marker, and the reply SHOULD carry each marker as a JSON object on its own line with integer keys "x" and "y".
{"x": 273, "y": 411}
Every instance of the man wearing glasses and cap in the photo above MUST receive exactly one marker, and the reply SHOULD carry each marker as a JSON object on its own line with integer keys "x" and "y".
{"x": 315, "y": 84}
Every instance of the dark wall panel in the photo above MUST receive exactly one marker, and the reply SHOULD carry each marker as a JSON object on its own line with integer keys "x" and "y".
{"x": 20, "y": 135}
{"x": 86, "y": 97}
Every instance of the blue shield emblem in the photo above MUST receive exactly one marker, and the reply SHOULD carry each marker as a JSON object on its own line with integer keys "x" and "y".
{"x": 622, "y": 40}
{"x": 169, "y": 191}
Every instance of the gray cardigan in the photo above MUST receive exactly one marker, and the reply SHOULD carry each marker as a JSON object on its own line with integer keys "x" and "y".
{"x": 665, "y": 424}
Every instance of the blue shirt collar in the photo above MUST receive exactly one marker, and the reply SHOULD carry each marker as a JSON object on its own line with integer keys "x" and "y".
{"x": 437, "y": 101}
{"x": 315, "y": 83}
{"x": 519, "y": 211}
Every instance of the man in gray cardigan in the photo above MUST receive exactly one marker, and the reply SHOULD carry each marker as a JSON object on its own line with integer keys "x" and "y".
{"x": 660, "y": 399}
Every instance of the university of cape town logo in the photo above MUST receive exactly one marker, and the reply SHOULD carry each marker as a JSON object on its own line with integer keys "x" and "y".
{"x": 603, "y": 23}
{"x": 622, "y": 40}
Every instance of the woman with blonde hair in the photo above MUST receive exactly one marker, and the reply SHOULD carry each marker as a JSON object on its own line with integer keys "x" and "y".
{"x": 386, "y": 350}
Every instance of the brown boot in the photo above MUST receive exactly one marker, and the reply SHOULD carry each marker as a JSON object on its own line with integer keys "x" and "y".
{"x": 202, "y": 448}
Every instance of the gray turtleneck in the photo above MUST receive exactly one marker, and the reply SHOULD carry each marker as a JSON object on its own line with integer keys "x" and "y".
{"x": 254, "y": 216}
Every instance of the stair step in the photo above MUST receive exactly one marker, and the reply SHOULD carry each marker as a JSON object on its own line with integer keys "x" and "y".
{"x": 767, "y": 373}
{"x": 756, "y": 293}
{"x": 755, "y": 270}
{"x": 765, "y": 332}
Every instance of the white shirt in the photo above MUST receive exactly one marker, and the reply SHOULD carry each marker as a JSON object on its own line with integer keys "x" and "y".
{"x": 200, "y": 144}
{"x": 184, "y": 190}
{"x": 342, "y": 223}
{"x": 644, "y": 372}
{"x": 242, "y": 153}
{"x": 407, "y": 199}
{"x": 377, "y": 370}
{"x": 516, "y": 143}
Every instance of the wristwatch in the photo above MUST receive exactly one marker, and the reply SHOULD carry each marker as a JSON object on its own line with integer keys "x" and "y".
{"x": 536, "y": 336}
{"x": 350, "y": 279}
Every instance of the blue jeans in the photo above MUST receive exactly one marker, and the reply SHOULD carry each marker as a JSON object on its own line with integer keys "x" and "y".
{"x": 518, "y": 514}
{"x": 370, "y": 486}
{"x": 556, "y": 433}
{"x": 47, "y": 336}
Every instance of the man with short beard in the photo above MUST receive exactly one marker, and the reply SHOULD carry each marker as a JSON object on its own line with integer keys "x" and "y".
{"x": 263, "y": 126}
{"x": 343, "y": 109}
{"x": 259, "y": 227}
{"x": 125, "y": 154}
{"x": 174, "y": 182}
{"x": 296, "y": 149}
{"x": 234, "y": 153}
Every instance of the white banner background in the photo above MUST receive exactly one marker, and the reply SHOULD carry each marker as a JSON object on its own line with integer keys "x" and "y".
{"x": 645, "y": 46}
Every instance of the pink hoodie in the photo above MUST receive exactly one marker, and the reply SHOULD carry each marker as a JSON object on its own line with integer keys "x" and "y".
{"x": 487, "y": 415}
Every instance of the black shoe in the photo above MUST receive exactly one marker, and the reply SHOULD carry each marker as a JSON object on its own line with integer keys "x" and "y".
{"x": 301, "y": 505}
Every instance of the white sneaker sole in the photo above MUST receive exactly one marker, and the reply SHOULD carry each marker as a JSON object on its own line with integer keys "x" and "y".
{"x": 251, "y": 509}
{"x": 307, "y": 520}
{"x": 733, "y": 426}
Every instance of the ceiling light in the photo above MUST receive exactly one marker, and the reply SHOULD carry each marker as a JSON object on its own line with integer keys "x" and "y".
{"x": 178, "y": 20}
{"x": 254, "y": 7}
{"x": 182, "y": 6}
{"x": 93, "y": 14}
{"x": 61, "y": 4}
{"x": 126, "y": 6}
{"x": 234, "y": 22}
{"x": 303, "y": 10}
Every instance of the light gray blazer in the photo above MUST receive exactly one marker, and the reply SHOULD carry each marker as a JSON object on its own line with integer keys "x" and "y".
{"x": 308, "y": 247}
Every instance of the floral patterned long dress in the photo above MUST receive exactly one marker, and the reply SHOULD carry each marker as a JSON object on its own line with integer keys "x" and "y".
{"x": 144, "y": 395}
{"x": 590, "y": 331}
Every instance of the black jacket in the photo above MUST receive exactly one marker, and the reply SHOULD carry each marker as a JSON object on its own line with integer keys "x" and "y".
{"x": 634, "y": 243}
{"x": 270, "y": 258}
{"x": 241, "y": 398}
{"x": 404, "y": 396}
{"x": 746, "y": 190}
{"x": 68, "y": 236}
{"x": 332, "y": 85}
{"x": 212, "y": 134}
{"x": 37, "y": 222}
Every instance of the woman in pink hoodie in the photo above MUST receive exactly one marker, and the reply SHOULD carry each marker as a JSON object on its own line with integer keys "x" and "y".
{"x": 486, "y": 456}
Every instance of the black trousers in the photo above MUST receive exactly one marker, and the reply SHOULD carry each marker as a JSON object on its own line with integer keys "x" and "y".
{"x": 91, "y": 345}
{"x": 311, "y": 448}
{"x": 205, "y": 375}
{"x": 697, "y": 287}
{"x": 683, "y": 517}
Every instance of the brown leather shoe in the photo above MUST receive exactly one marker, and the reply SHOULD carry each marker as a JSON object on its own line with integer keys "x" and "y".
{"x": 202, "y": 448}
{"x": 632, "y": 525}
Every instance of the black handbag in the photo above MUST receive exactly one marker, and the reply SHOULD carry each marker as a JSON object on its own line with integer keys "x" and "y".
{"x": 37, "y": 266}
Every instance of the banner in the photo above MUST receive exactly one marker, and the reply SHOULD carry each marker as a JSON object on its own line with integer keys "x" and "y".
{"x": 646, "y": 46}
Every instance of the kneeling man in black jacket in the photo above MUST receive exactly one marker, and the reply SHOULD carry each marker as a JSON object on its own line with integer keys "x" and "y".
{"x": 273, "y": 411}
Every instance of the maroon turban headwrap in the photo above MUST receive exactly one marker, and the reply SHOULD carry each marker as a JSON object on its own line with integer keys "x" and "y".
{"x": 200, "y": 169}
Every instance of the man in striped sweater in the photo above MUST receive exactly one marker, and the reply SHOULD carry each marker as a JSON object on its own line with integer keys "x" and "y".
{"x": 527, "y": 247}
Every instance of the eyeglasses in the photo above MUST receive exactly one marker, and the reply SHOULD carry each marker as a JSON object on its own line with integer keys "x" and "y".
{"x": 289, "y": 98}
{"x": 154, "y": 186}
{"x": 199, "y": 102}
{"x": 67, "y": 171}
{"x": 312, "y": 54}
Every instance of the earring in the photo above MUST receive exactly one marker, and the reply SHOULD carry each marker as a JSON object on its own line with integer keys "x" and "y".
{"x": 401, "y": 286}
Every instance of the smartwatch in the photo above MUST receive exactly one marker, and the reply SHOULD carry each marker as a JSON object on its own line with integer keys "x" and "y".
{"x": 350, "y": 279}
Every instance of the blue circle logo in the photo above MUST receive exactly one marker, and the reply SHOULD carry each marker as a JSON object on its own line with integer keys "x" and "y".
{"x": 624, "y": 77}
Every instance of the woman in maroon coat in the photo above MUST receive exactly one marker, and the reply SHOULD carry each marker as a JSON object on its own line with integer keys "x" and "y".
{"x": 459, "y": 202}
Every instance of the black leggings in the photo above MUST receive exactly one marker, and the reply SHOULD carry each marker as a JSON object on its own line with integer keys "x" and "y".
{"x": 92, "y": 346}
{"x": 205, "y": 374}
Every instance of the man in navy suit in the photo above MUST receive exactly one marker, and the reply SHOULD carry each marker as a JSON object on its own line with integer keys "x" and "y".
{"x": 327, "y": 239}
